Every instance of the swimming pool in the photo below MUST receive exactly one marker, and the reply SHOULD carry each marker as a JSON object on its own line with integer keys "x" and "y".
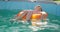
{"x": 7, "y": 26}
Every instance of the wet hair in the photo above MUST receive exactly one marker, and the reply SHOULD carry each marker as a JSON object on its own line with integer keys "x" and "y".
{"x": 41, "y": 9}
{"x": 39, "y": 6}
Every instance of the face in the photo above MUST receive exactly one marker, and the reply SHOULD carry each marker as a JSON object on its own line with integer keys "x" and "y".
{"x": 38, "y": 8}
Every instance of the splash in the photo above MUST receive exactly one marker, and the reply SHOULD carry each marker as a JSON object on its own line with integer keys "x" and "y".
{"x": 23, "y": 27}
{"x": 48, "y": 25}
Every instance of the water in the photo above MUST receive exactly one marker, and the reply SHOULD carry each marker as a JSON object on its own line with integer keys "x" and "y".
{"x": 7, "y": 26}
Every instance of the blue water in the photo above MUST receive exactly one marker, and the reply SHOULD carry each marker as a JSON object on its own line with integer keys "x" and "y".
{"x": 7, "y": 26}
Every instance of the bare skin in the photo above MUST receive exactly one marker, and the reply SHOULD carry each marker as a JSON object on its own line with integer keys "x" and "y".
{"x": 37, "y": 11}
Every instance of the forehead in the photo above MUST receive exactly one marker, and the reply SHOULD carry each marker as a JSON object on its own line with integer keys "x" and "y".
{"x": 37, "y": 7}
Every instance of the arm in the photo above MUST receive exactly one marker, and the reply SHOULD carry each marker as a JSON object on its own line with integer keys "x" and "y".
{"x": 18, "y": 15}
{"x": 44, "y": 16}
{"x": 21, "y": 14}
